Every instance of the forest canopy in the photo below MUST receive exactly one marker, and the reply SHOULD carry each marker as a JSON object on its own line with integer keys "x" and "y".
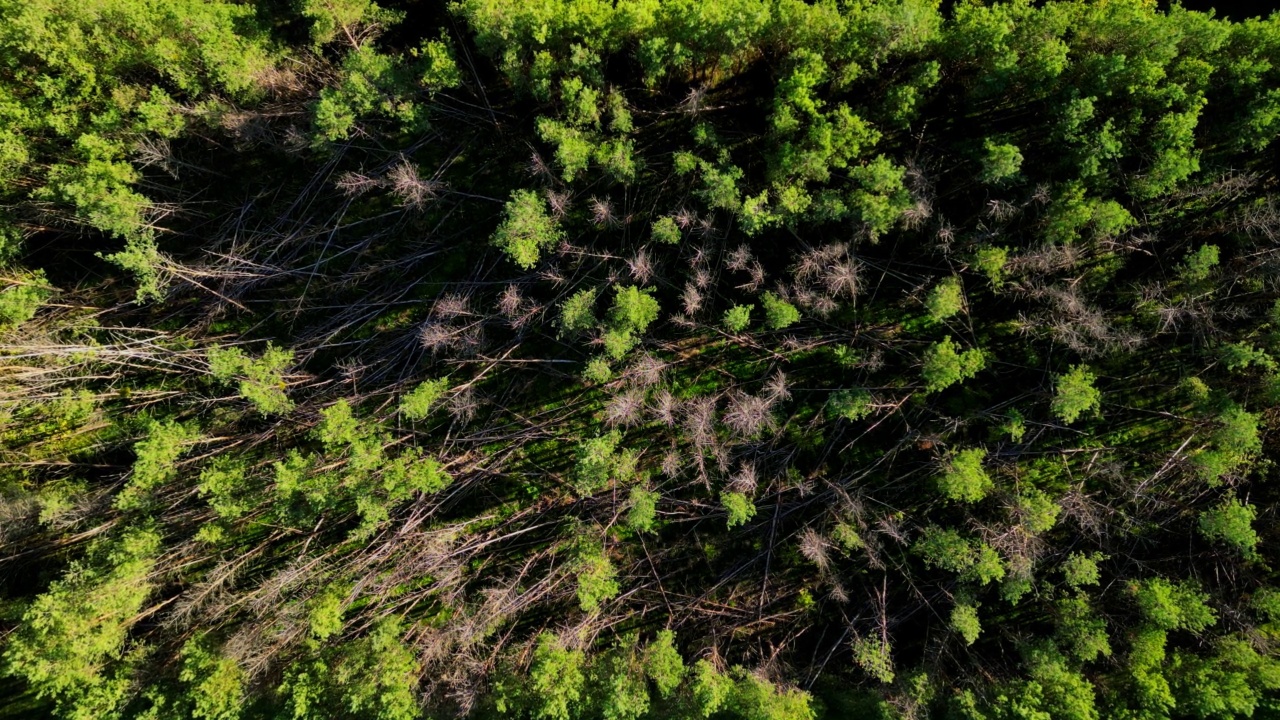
{"x": 623, "y": 359}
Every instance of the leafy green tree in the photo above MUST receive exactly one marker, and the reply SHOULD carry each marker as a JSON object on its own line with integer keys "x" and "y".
{"x": 737, "y": 318}
{"x": 22, "y": 296}
{"x": 964, "y": 620}
{"x": 72, "y": 635}
{"x": 526, "y": 230}
{"x": 155, "y": 462}
{"x": 874, "y": 656}
{"x": 1231, "y": 522}
{"x": 597, "y": 578}
{"x": 964, "y": 478}
{"x": 778, "y": 313}
{"x": 663, "y": 664}
{"x": 261, "y": 381}
{"x": 852, "y": 405}
{"x": 1080, "y": 569}
{"x": 991, "y": 262}
{"x": 215, "y": 682}
{"x": 944, "y": 365}
{"x": 666, "y": 231}
{"x": 1075, "y": 395}
{"x": 418, "y": 403}
{"x": 633, "y": 309}
{"x": 642, "y": 508}
{"x": 738, "y": 506}
{"x": 578, "y": 312}
{"x": 945, "y": 300}
{"x": 1000, "y": 161}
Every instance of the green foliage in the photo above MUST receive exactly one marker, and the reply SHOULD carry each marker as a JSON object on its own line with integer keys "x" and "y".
{"x": 556, "y": 678}
{"x": 852, "y": 405}
{"x": 662, "y": 663}
{"x": 1082, "y": 633}
{"x": 23, "y": 295}
{"x": 1233, "y": 443}
{"x": 633, "y": 309}
{"x": 339, "y": 428}
{"x": 1199, "y": 263}
{"x": 881, "y": 197}
{"x": 440, "y": 69}
{"x": 597, "y": 371}
{"x": 945, "y": 300}
{"x": 1075, "y": 395}
{"x": 261, "y": 381}
{"x": 874, "y": 656}
{"x": 378, "y": 674}
{"x": 642, "y": 509}
{"x": 1080, "y": 570}
{"x": 418, "y": 403}
{"x": 944, "y": 365}
{"x": 1173, "y": 606}
{"x": 1231, "y": 522}
{"x": 964, "y": 620}
{"x": 526, "y": 230}
{"x": 332, "y": 19}
{"x": 215, "y": 682}
{"x": 738, "y": 506}
{"x": 1000, "y": 161}
{"x": 155, "y": 462}
{"x": 737, "y": 318}
{"x": 756, "y": 699}
{"x": 143, "y": 260}
{"x": 964, "y": 478}
{"x": 325, "y": 612}
{"x": 778, "y": 313}
{"x": 666, "y": 231}
{"x": 597, "y": 578}
{"x": 598, "y": 461}
{"x": 72, "y": 634}
{"x": 578, "y": 312}
{"x": 222, "y": 485}
{"x": 371, "y": 83}
{"x": 947, "y": 549}
{"x": 991, "y": 262}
